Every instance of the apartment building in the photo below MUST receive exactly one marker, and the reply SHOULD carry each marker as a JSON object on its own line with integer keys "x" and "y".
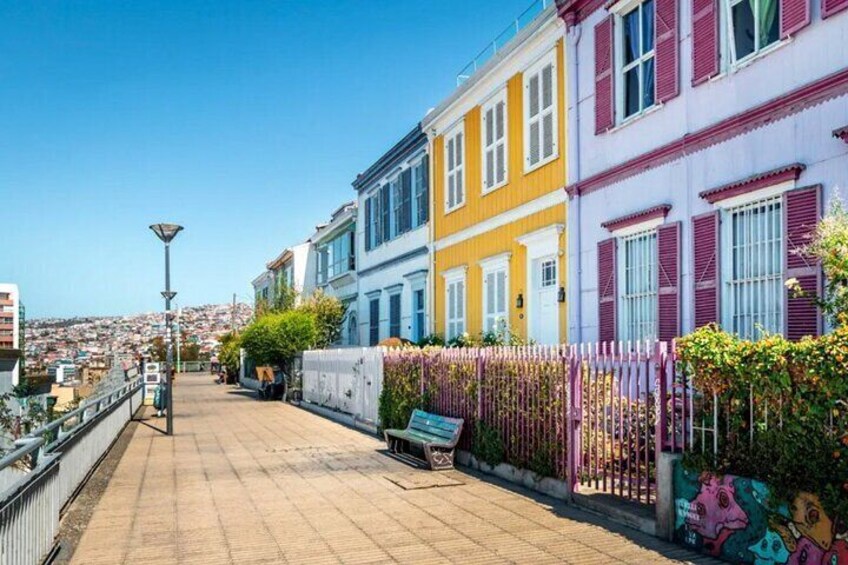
{"x": 289, "y": 268}
{"x": 11, "y": 333}
{"x": 498, "y": 147}
{"x": 706, "y": 137}
{"x": 334, "y": 246}
{"x": 392, "y": 236}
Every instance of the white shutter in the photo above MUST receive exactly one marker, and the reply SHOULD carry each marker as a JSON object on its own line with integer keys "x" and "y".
{"x": 490, "y": 292}
{"x": 460, "y": 306}
{"x": 500, "y": 135}
{"x": 460, "y": 194}
{"x": 500, "y": 299}
{"x": 494, "y": 141}
{"x": 454, "y": 189}
{"x": 541, "y": 112}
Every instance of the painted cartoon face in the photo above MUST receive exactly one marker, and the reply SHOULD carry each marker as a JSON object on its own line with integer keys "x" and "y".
{"x": 760, "y": 492}
{"x": 811, "y": 520}
{"x": 715, "y": 509}
{"x": 806, "y": 553}
{"x": 770, "y": 550}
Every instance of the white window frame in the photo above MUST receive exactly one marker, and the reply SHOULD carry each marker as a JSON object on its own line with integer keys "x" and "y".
{"x": 457, "y": 173}
{"x": 456, "y": 325}
{"x": 726, "y": 35}
{"x": 549, "y": 58}
{"x": 500, "y": 318}
{"x": 492, "y": 105}
{"x": 647, "y": 301}
{"x": 621, "y": 10}
{"x": 774, "y": 281}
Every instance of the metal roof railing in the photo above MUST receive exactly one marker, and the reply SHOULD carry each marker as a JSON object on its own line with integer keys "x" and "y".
{"x": 527, "y": 16}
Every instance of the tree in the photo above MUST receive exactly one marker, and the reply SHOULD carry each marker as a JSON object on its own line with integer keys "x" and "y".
{"x": 189, "y": 351}
{"x": 285, "y": 298}
{"x": 229, "y": 354}
{"x": 328, "y": 312}
{"x": 275, "y": 339}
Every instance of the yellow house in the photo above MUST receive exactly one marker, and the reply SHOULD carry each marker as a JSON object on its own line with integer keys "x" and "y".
{"x": 498, "y": 199}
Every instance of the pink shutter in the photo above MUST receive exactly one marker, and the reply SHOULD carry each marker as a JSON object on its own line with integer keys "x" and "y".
{"x": 604, "y": 110}
{"x": 666, "y": 54}
{"x": 705, "y": 268}
{"x": 802, "y": 209}
{"x": 704, "y": 40}
{"x": 794, "y": 15}
{"x": 668, "y": 287}
{"x": 830, "y": 7}
{"x": 606, "y": 290}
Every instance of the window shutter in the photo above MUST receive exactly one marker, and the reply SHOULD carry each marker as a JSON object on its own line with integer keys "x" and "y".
{"x": 668, "y": 287}
{"x": 794, "y": 15}
{"x": 704, "y": 40}
{"x": 604, "y": 109}
{"x": 666, "y": 46}
{"x": 367, "y": 224}
{"x": 606, "y": 290}
{"x": 830, "y": 7}
{"x": 406, "y": 201}
{"x": 706, "y": 268}
{"x": 459, "y": 197}
{"x": 377, "y": 215}
{"x": 488, "y": 143}
{"x": 803, "y": 209}
{"x": 424, "y": 211}
{"x": 548, "y": 119}
{"x": 500, "y": 156}
{"x": 385, "y": 209}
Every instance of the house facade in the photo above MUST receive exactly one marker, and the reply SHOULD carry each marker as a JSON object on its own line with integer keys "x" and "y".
{"x": 706, "y": 139}
{"x": 392, "y": 243}
{"x": 334, "y": 272}
{"x": 498, "y": 147}
{"x": 289, "y": 268}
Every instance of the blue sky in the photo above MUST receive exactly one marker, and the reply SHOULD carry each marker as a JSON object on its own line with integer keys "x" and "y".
{"x": 245, "y": 121}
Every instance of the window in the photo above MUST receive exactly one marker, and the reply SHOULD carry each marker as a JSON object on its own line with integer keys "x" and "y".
{"x": 548, "y": 275}
{"x": 336, "y": 257}
{"x": 352, "y": 329}
{"x": 540, "y": 96}
{"x": 636, "y": 59}
{"x": 374, "y": 321}
{"x": 422, "y": 193}
{"x": 375, "y": 220}
{"x": 494, "y": 142}
{"x": 638, "y": 268}
{"x": 753, "y": 299}
{"x": 397, "y": 209}
{"x": 454, "y": 169}
{"x": 494, "y": 299}
{"x": 394, "y": 315}
{"x": 455, "y": 306}
{"x": 386, "y": 212}
{"x": 752, "y": 25}
{"x": 418, "y": 314}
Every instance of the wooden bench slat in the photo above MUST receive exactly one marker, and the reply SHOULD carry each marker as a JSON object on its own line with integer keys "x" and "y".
{"x": 437, "y": 435}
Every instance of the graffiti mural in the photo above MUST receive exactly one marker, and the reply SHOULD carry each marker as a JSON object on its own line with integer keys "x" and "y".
{"x": 734, "y": 519}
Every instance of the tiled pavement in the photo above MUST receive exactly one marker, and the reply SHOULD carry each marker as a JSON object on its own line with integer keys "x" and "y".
{"x": 253, "y": 482}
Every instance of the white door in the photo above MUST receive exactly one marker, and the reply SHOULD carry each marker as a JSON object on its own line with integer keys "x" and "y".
{"x": 544, "y": 313}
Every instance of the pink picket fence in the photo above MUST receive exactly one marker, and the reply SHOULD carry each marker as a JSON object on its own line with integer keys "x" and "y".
{"x": 591, "y": 415}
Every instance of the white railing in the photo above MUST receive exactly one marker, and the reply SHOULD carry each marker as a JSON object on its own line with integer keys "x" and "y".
{"x": 345, "y": 380}
{"x": 40, "y": 477}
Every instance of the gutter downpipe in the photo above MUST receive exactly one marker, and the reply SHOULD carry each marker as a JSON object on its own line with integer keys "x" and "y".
{"x": 575, "y": 263}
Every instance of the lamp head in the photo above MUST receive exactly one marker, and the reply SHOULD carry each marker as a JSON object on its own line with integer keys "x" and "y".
{"x": 166, "y": 232}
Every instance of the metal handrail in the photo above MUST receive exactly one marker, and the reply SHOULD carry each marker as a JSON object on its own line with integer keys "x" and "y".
{"x": 25, "y": 446}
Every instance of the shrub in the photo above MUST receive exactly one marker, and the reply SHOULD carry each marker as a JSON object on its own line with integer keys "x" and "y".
{"x": 401, "y": 392}
{"x": 432, "y": 340}
{"x": 275, "y": 339}
{"x": 229, "y": 354}
{"x": 795, "y": 394}
{"x": 487, "y": 445}
{"x": 328, "y": 313}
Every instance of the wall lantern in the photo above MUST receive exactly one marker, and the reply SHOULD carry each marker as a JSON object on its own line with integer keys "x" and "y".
{"x": 519, "y": 302}
{"x": 561, "y": 294}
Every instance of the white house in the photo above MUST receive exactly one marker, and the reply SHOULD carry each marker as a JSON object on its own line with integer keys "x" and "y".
{"x": 392, "y": 243}
{"x": 705, "y": 137}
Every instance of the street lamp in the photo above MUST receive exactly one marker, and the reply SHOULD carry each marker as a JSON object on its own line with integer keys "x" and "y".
{"x": 167, "y": 232}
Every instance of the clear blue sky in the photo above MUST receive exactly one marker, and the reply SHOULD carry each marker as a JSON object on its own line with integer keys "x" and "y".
{"x": 245, "y": 121}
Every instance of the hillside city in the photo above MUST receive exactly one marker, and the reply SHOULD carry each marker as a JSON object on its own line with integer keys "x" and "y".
{"x": 86, "y": 339}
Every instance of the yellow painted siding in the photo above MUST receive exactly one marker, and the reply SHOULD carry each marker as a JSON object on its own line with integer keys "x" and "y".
{"x": 494, "y": 242}
{"x": 520, "y": 187}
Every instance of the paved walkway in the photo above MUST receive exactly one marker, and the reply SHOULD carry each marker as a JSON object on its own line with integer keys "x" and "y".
{"x": 254, "y": 482}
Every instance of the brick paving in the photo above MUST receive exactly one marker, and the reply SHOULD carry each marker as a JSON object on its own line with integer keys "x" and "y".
{"x": 245, "y": 481}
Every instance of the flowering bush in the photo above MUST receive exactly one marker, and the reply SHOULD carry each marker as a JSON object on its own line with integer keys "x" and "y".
{"x": 781, "y": 406}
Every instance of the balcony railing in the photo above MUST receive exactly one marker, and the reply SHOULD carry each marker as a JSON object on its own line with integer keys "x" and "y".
{"x": 498, "y": 43}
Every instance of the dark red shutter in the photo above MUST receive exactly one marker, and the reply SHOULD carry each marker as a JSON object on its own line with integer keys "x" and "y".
{"x": 666, "y": 54}
{"x": 606, "y": 290}
{"x": 367, "y": 224}
{"x": 704, "y": 40}
{"x": 604, "y": 110}
{"x": 794, "y": 15}
{"x": 830, "y": 7}
{"x": 705, "y": 267}
{"x": 668, "y": 287}
{"x": 802, "y": 209}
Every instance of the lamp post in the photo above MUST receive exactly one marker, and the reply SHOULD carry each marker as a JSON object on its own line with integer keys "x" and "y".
{"x": 167, "y": 232}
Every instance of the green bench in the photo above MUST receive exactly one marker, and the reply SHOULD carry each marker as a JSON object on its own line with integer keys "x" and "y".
{"x": 436, "y": 435}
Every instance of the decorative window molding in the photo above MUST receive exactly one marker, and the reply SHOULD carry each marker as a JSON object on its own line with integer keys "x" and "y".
{"x": 544, "y": 241}
{"x": 638, "y": 221}
{"x": 494, "y": 141}
{"x": 454, "y": 165}
{"x": 541, "y": 129}
{"x": 776, "y": 180}
{"x": 394, "y": 289}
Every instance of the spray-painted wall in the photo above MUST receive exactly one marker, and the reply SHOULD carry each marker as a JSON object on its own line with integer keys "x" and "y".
{"x": 738, "y": 520}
